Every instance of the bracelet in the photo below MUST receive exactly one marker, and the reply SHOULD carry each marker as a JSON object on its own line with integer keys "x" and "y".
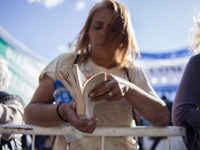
{"x": 57, "y": 110}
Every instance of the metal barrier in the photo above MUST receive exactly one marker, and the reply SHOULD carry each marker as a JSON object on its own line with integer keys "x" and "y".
{"x": 69, "y": 131}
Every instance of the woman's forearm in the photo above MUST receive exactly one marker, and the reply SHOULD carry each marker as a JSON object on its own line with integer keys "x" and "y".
{"x": 153, "y": 109}
{"x": 42, "y": 115}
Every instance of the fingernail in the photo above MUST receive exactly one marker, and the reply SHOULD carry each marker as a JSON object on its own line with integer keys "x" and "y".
{"x": 96, "y": 119}
{"x": 91, "y": 94}
{"x": 74, "y": 104}
{"x": 90, "y": 123}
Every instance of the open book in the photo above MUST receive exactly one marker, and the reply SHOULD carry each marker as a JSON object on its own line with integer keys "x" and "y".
{"x": 79, "y": 88}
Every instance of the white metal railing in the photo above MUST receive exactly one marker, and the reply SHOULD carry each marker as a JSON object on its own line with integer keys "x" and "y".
{"x": 71, "y": 132}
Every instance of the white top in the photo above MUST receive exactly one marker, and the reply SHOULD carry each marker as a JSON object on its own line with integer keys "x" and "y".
{"x": 109, "y": 114}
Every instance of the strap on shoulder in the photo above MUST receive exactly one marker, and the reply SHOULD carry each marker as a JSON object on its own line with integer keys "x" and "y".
{"x": 75, "y": 61}
{"x": 126, "y": 71}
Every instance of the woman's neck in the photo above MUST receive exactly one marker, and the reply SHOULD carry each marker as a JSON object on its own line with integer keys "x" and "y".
{"x": 108, "y": 63}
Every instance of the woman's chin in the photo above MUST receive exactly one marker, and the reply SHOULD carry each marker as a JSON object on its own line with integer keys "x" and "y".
{"x": 101, "y": 55}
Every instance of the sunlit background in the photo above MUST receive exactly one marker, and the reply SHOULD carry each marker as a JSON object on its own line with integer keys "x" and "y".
{"x": 33, "y": 32}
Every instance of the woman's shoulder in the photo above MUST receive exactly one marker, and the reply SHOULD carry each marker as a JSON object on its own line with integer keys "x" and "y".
{"x": 133, "y": 67}
{"x": 64, "y": 59}
{"x": 194, "y": 62}
{"x": 66, "y": 56}
{"x": 59, "y": 62}
{"x": 135, "y": 72}
{"x": 195, "y": 58}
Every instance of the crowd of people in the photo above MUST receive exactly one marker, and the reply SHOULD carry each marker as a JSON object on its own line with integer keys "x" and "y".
{"x": 103, "y": 45}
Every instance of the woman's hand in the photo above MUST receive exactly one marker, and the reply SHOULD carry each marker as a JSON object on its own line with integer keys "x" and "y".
{"x": 87, "y": 126}
{"x": 114, "y": 89}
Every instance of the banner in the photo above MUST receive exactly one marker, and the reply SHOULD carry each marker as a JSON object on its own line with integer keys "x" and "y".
{"x": 24, "y": 72}
{"x": 164, "y": 71}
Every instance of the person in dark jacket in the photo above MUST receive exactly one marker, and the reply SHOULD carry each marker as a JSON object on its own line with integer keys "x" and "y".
{"x": 186, "y": 110}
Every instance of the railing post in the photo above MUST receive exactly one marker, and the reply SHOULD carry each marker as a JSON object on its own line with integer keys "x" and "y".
{"x": 169, "y": 142}
{"x": 136, "y": 143}
{"x": 33, "y": 142}
{"x": 102, "y": 142}
{"x": 0, "y": 138}
{"x": 67, "y": 146}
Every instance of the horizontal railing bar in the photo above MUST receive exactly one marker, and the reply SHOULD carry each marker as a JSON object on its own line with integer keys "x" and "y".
{"x": 139, "y": 131}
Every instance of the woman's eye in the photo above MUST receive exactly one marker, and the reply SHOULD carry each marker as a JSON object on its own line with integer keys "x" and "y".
{"x": 97, "y": 27}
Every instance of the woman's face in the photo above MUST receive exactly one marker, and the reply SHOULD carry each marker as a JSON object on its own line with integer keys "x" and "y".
{"x": 99, "y": 42}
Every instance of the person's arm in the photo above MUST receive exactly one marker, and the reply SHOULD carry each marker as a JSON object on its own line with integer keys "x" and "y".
{"x": 186, "y": 103}
{"x": 153, "y": 109}
{"x": 42, "y": 112}
{"x": 11, "y": 112}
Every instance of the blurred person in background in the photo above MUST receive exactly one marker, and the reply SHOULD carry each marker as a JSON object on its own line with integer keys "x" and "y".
{"x": 186, "y": 110}
{"x": 103, "y": 45}
{"x": 11, "y": 110}
{"x": 44, "y": 142}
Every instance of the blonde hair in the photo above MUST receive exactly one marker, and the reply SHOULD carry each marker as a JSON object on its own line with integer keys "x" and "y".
{"x": 123, "y": 35}
{"x": 194, "y": 39}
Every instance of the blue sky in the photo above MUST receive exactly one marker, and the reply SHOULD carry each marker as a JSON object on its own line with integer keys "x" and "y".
{"x": 48, "y": 26}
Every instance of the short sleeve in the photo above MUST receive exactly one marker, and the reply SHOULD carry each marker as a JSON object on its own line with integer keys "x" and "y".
{"x": 139, "y": 78}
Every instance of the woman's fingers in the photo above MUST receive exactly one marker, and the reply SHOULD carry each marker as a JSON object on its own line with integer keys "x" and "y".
{"x": 103, "y": 88}
{"x": 92, "y": 126}
{"x": 87, "y": 76}
{"x": 107, "y": 96}
{"x": 72, "y": 104}
{"x": 112, "y": 90}
{"x": 86, "y": 125}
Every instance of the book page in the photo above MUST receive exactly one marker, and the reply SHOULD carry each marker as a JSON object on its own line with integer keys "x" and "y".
{"x": 92, "y": 83}
{"x": 81, "y": 79}
{"x": 88, "y": 103}
{"x": 80, "y": 104}
{"x": 98, "y": 79}
{"x": 79, "y": 88}
{"x": 68, "y": 77}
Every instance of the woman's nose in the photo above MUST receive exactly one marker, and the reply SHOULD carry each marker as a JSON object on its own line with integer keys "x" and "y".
{"x": 104, "y": 36}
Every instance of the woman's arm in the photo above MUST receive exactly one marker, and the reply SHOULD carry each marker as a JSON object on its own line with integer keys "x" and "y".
{"x": 153, "y": 109}
{"x": 42, "y": 112}
{"x": 186, "y": 104}
{"x": 11, "y": 112}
